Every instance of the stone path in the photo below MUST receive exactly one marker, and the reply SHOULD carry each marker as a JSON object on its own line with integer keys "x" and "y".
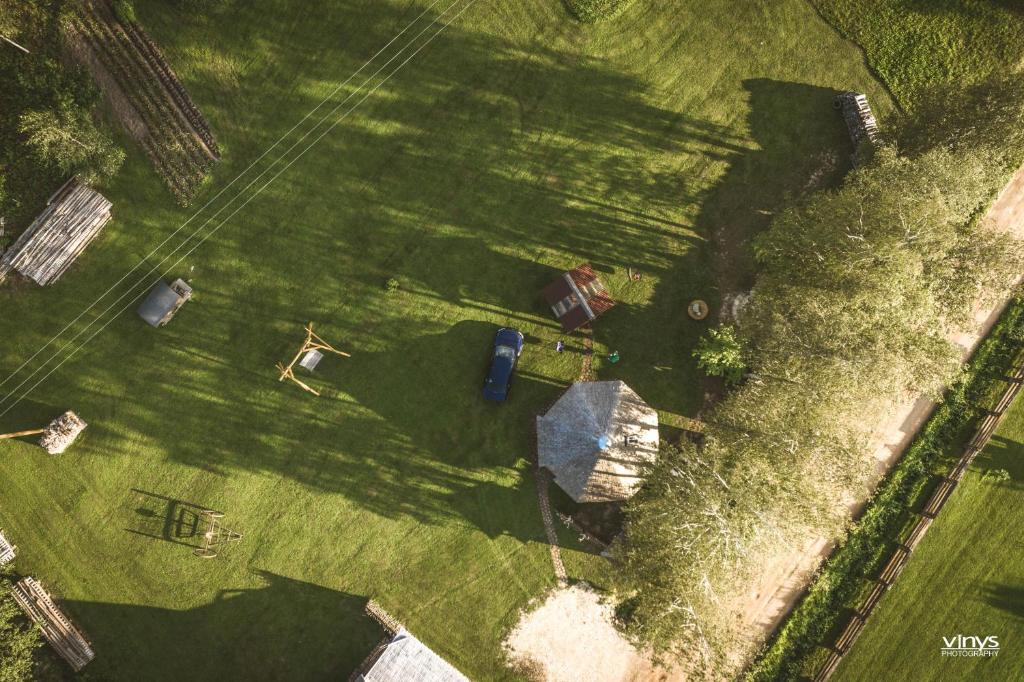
{"x": 543, "y": 481}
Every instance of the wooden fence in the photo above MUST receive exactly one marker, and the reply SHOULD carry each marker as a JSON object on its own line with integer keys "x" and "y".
{"x": 936, "y": 502}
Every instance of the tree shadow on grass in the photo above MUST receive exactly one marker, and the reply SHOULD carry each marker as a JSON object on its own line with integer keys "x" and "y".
{"x": 203, "y": 642}
{"x": 1005, "y": 597}
{"x": 1002, "y": 454}
{"x": 472, "y": 179}
{"x": 802, "y": 146}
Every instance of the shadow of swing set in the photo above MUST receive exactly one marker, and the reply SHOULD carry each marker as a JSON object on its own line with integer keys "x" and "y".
{"x": 183, "y": 523}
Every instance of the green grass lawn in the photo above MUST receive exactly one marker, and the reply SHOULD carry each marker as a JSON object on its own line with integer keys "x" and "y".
{"x": 918, "y": 44}
{"x": 965, "y": 578}
{"x": 520, "y": 143}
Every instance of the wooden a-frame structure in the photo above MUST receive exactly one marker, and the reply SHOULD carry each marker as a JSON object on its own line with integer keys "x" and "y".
{"x": 312, "y": 342}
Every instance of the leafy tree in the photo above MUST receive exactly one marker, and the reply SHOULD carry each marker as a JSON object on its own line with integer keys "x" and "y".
{"x": 68, "y": 139}
{"x": 858, "y": 293}
{"x": 720, "y": 354}
{"x": 124, "y": 10}
{"x": 18, "y": 639}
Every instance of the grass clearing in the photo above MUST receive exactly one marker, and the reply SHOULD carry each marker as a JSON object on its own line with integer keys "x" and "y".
{"x": 914, "y": 45}
{"x": 965, "y": 578}
{"x": 518, "y": 144}
{"x": 589, "y": 11}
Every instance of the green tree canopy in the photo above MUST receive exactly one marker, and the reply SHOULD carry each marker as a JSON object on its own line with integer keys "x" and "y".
{"x": 18, "y": 639}
{"x": 859, "y": 291}
{"x": 67, "y": 138}
{"x": 720, "y": 354}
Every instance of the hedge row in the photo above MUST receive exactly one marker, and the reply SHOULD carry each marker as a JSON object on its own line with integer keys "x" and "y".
{"x": 843, "y": 576}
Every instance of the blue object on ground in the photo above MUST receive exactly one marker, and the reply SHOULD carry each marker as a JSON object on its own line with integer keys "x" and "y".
{"x": 508, "y": 345}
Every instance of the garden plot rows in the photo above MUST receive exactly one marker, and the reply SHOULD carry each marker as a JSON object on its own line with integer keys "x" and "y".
{"x": 177, "y": 138}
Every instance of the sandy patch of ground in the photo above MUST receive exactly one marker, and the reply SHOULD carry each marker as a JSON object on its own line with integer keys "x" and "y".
{"x": 570, "y": 638}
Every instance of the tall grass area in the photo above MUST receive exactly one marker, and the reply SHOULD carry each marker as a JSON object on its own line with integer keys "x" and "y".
{"x": 589, "y": 11}
{"x": 918, "y": 45}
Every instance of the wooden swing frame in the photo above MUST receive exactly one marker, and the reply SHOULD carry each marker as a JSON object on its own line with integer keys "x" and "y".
{"x": 215, "y": 535}
{"x": 312, "y": 342}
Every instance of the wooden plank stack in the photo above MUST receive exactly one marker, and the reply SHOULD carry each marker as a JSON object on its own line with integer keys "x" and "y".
{"x": 858, "y": 116}
{"x": 6, "y": 550}
{"x": 68, "y": 641}
{"x": 73, "y": 217}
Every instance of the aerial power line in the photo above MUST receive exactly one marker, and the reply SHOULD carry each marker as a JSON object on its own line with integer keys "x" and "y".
{"x": 8, "y": 40}
{"x": 256, "y": 193}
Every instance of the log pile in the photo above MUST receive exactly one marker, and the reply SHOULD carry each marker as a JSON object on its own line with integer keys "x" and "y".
{"x": 73, "y": 217}
{"x": 62, "y": 432}
{"x": 65, "y": 638}
{"x": 6, "y": 550}
{"x": 860, "y": 121}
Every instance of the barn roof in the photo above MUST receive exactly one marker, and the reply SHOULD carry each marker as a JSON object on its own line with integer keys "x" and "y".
{"x": 595, "y": 440}
{"x": 73, "y": 217}
{"x": 577, "y": 297}
{"x": 407, "y": 659}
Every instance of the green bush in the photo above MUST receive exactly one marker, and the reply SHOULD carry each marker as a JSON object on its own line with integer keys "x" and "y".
{"x": 124, "y": 11}
{"x": 19, "y": 640}
{"x": 790, "y": 653}
{"x": 720, "y": 353}
{"x": 589, "y": 11}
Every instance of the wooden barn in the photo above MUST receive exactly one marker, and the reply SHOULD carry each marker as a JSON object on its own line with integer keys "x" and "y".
{"x": 73, "y": 217}
{"x": 577, "y": 297}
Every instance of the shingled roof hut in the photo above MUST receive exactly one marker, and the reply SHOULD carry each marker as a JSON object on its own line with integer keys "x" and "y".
{"x": 404, "y": 658}
{"x": 577, "y": 297}
{"x": 73, "y": 217}
{"x": 596, "y": 438}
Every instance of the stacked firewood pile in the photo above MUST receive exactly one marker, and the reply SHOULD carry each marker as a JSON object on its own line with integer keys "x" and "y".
{"x": 62, "y": 432}
{"x": 860, "y": 120}
{"x": 71, "y": 220}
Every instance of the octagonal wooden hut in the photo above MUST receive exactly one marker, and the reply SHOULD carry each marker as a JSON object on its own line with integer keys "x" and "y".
{"x": 596, "y": 439}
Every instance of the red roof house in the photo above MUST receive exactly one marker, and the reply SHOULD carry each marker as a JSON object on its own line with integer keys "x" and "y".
{"x": 577, "y": 297}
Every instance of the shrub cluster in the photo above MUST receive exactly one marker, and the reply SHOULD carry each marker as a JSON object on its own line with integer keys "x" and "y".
{"x": 47, "y": 127}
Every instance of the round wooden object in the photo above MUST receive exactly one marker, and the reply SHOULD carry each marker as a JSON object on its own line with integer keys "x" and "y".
{"x": 697, "y": 309}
